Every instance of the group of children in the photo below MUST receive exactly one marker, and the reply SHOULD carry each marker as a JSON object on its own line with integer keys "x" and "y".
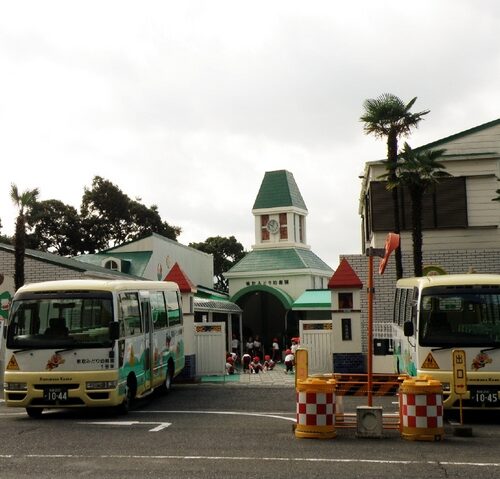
{"x": 252, "y": 364}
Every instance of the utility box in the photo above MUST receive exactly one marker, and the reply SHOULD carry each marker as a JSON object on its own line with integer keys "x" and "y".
{"x": 369, "y": 421}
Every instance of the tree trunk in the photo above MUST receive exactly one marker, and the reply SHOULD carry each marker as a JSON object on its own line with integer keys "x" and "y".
{"x": 392, "y": 158}
{"x": 19, "y": 250}
{"x": 416, "y": 219}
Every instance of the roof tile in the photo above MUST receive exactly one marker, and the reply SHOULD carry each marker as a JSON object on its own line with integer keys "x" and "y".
{"x": 344, "y": 277}
{"x": 177, "y": 275}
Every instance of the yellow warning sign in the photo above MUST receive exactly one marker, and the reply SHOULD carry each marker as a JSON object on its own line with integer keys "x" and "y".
{"x": 430, "y": 362}
{"x": 13, "y": 366}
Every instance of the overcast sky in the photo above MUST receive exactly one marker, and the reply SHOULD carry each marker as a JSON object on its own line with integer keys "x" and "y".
{"x": 187, "y": 104}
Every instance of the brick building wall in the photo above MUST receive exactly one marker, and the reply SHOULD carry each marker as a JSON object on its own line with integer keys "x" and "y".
{"x": 36, "y": 270}
{"x": 452, "y": 261}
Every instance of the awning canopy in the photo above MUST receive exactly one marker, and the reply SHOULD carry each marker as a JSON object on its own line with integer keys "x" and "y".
{"x": 317, "y": 299}
{"x": 216, "y": 305}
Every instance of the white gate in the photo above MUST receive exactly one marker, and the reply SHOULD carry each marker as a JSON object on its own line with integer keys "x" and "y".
{"x": 317, "y": 338}
{"x": 210, "y": 347}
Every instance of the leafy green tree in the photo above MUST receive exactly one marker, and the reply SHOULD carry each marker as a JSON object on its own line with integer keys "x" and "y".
{"x": 226, "y": 252}
{"x": 54, "y": 227}
{"x": 417, "y": 171}
{"x": 389, "y": 117}
{"x": 23, "y": 201}
{"x": 5, "y": 239}
{"x": 109, "y": 217}
{"x": 147, "y": 220}
{"x": 498, "y": 197}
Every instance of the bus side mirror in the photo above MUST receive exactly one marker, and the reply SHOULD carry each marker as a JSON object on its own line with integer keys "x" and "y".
{"x": 408, "y": 329}
{"x": 114, "y": 330}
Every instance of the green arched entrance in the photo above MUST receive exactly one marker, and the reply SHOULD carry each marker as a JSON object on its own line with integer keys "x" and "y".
{"x": 267, "y": 312}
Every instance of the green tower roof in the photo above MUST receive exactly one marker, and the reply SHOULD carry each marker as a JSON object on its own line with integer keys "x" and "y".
{"x": 278, "y": 189}
{"x": 275, "y": 259}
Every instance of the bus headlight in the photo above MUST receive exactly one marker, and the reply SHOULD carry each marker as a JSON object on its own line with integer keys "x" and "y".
{"x": 446, "y": 387}
{"x": 93, "y": 385}
{"x": 15, "y": 386}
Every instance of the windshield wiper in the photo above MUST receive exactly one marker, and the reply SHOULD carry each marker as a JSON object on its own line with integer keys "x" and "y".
{"x": 23, "y": 350}
{"x": 441, "y": 348}
{"x": 489, "y": 349}
{"x": 65, "y": 350}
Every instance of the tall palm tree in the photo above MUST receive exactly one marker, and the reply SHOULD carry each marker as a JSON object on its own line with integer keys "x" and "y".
{"x": 23, "y": 201}
{"x": 417, "y": 171}
{"x": 389, "y": 117}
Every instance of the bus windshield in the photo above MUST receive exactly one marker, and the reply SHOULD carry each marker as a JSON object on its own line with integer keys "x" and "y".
{"x": 68, "y": 320}
{"x": 460, "y": 316}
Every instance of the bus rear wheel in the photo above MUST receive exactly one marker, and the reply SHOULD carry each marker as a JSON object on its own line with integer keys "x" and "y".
{"x": 34, "y": 412}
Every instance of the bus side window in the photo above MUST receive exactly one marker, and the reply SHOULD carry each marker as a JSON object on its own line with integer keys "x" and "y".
{"x": 158, "y": 310}
{"x": 174, "y": 309}
{"x": 129, "y": 314}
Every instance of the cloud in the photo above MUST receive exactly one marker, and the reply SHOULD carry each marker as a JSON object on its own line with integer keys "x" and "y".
{"x": 188, "y": 104}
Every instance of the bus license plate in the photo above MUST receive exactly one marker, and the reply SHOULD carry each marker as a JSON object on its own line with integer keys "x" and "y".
{"x": 55, "y": 394}
{"x": 486, "y": 397}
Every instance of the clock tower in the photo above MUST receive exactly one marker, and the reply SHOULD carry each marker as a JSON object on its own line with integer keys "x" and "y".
{"x": 281, "y": 266}
{"x": 280, "y": 213}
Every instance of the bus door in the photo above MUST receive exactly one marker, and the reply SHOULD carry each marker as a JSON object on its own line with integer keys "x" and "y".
{"x": 148, "y": 340}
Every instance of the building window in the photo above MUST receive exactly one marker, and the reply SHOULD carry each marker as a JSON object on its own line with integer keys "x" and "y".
{"x": 283, "y": 226}
{"x": 345, "y": 301}
{"x": 443, "y": 206}
{"x": 346, "y": 329}
{"x": 112, "y": 264}
{"x": 264, "y": 232}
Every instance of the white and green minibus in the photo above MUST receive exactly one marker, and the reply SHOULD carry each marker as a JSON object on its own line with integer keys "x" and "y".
{"x": 91, "y": 343}
{"x": 435, "y": 315}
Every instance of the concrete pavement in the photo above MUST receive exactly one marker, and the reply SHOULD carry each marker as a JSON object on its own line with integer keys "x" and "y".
{"x": 275, "y": 378}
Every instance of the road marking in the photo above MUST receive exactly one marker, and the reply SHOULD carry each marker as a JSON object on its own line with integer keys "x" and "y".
{"x": 226, "y": 413}
{"x": 252, "y": 458}
{"x": 160, "y": 425}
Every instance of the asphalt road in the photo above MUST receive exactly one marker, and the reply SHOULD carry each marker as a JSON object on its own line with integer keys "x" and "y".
{"x": 220, "y": 431}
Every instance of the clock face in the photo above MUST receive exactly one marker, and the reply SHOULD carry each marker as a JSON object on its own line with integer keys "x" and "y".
{"x": 272, "y": 226}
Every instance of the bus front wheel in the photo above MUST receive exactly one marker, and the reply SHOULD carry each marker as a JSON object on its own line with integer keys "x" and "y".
{"x": 125, "y": 406}
{"x": 167, "y": 384}
{"x": 34, "y": 412}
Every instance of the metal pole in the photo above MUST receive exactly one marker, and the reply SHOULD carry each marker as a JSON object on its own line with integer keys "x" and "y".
{"x": 370, "y": 328}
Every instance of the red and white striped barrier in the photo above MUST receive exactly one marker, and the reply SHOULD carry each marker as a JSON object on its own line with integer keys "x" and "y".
{"x": 421, "y": 409}
{"x": 315, "y": 409}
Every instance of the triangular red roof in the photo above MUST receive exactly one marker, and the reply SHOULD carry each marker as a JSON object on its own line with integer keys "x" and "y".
{"x": 182, "y": 279}
{"x": 344, "y": 277}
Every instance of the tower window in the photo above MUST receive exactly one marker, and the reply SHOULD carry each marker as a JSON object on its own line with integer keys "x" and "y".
{"x": 283, "y": 226}
{"x": 345, "y": 301}
{"x": 264, "y": 232}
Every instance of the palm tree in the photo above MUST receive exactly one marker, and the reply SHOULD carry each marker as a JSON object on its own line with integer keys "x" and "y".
{"x": 23, "y": 201}
{"x": 417, "y": 171}
{"x": 498, "y": 197}
{"x": 389, "y": 117}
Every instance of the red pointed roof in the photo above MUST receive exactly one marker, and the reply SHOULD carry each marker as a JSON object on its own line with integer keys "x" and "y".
{"x": 182, "y": 279}
{"x": 344, "y": 277}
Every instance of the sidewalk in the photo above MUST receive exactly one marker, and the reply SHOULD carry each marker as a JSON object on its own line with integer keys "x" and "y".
{"x": 275, "y": 378}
